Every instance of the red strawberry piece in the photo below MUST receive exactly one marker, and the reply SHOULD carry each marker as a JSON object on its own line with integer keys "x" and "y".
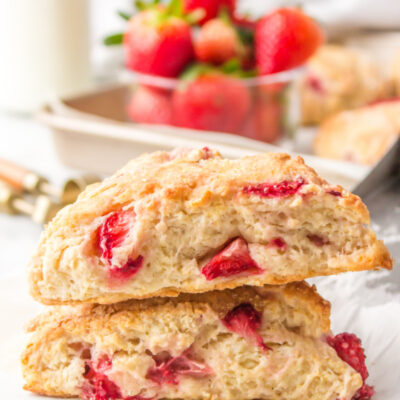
{"x": 234, "y": 259}
{"x": 279, "y": 243}
{"x": 335, "y": 193}
{"x": 157, "y": 43}
{"x": 245, "y": 321}
{"x": 213, "y": 102}
{"x": 218, "y": 42}
{"x": 150, "y": 106}
{"x": 348, "y": 347}
{"x": 168, "y": 369}
{"x": 210, "y": 8}
{"x": 112, "y": 234}
{"x": 279, "y": 189}
{"x": 129, "y": 269}
{"x": 284, "y": 39}
{"x": 315, "y": 84}
{"x": 264, "y": 122}
{"x": 364, "y": 393}
{"x": 97, "y": 385}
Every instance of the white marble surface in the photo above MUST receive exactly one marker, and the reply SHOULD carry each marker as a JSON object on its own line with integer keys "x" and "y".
{"x": 24, "y": 141}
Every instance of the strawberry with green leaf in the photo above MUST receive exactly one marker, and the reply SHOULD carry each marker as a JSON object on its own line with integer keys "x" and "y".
{"x": 219, "y": 41}
{"x": 158, "y": 40}
{"x": 209, "y": 99}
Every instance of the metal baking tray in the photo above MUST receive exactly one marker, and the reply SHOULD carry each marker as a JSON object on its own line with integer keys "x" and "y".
{"x": 380, "y": 190}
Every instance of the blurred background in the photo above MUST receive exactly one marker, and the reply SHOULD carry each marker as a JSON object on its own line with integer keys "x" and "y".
{"x": 73, "y": 108}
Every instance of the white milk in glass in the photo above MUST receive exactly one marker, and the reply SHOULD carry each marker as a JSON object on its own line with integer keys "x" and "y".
{"x": 44, "y": 51}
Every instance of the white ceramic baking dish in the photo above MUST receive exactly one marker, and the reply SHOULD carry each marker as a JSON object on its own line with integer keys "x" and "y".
{"x": 92, "y": 132}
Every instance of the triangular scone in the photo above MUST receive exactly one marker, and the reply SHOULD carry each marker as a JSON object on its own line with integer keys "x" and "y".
{"x": 249, "y": 343}
{"x": 191, "y": 221}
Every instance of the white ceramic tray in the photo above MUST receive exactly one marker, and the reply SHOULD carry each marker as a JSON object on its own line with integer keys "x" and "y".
{"x": 91, "y": 132}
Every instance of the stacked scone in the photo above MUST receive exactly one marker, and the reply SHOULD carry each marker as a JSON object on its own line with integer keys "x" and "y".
{"x": 180, "y": 277}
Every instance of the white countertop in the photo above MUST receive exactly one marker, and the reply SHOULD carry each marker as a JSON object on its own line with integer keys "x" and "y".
{"x": 25, "y": 142}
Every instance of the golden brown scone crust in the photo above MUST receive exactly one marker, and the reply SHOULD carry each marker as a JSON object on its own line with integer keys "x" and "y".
{"x": 98, "y": 322}
{"x": 300, "y": 294}
{"x": 172, "y": 196}
{"x": 363, "y": 135}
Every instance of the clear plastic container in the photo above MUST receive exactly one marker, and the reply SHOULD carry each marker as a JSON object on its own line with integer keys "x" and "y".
{"x": 263, "y": 108}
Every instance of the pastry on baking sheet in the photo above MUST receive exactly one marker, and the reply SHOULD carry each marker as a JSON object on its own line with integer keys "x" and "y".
{"x": 339, "y": 78}
{"x": 271, "y": 342}
{"x": 363, "y": 135}
{"x": 191, "y": 221}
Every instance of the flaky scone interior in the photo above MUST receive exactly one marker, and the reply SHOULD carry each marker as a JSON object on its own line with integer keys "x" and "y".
{"x": 191, "y": 221}
{"x": 271, "y": 342}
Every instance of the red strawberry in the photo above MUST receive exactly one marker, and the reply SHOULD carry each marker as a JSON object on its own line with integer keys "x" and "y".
{"x": 348, "y": 348}
{"x": 213, "y": 102}
{"x": 278, "y": 189}
{"x": 158, "y": 43}
{"x": 97, "y": 385}
{"x": 218, "y": 42}
{"x": 245, "y": 321}
{"x": 264, "y": 122}
{"x": 150, "y": 106}
{"x": 284, "y": 39}
{"x": 168, "y": 368}
{"x": 234, "y": 259}
{"x": 112, "y": 234}
{"x": 279, "y": 243}
{"x": 211, "y": 8}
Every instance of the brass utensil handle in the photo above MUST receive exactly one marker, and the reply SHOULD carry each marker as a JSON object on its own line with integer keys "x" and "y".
{"x": 19, "y": 177}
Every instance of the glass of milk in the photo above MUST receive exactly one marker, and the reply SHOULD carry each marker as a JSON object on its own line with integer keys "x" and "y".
{"x": 44, "y": 51}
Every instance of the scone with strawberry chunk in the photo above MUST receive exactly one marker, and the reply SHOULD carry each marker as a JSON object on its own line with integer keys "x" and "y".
{"x": 271, "y": 342}
{"x": 191, "y": 221}
{"x": 339, "y": 78}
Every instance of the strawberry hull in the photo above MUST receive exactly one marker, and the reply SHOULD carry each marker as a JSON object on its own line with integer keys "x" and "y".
{"x": 256, "y": 108}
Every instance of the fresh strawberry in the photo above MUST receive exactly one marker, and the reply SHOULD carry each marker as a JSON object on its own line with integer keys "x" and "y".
{"x": 210, "y": 8}
{"x": 264, "y": 122}
{"x": 245, "y": 321}
{"x": 158, "y": 42}
{"x": 212, "y": 101}
{"x": 150, "y": 106}
{"x": 284, "y": 39}
{"x": 348, "y": 347}
{"x": 168, "y": 368}
{"x": 218, "y": 41}
{"x": 234, "y": 259}
{"x": 111, "y": 235}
